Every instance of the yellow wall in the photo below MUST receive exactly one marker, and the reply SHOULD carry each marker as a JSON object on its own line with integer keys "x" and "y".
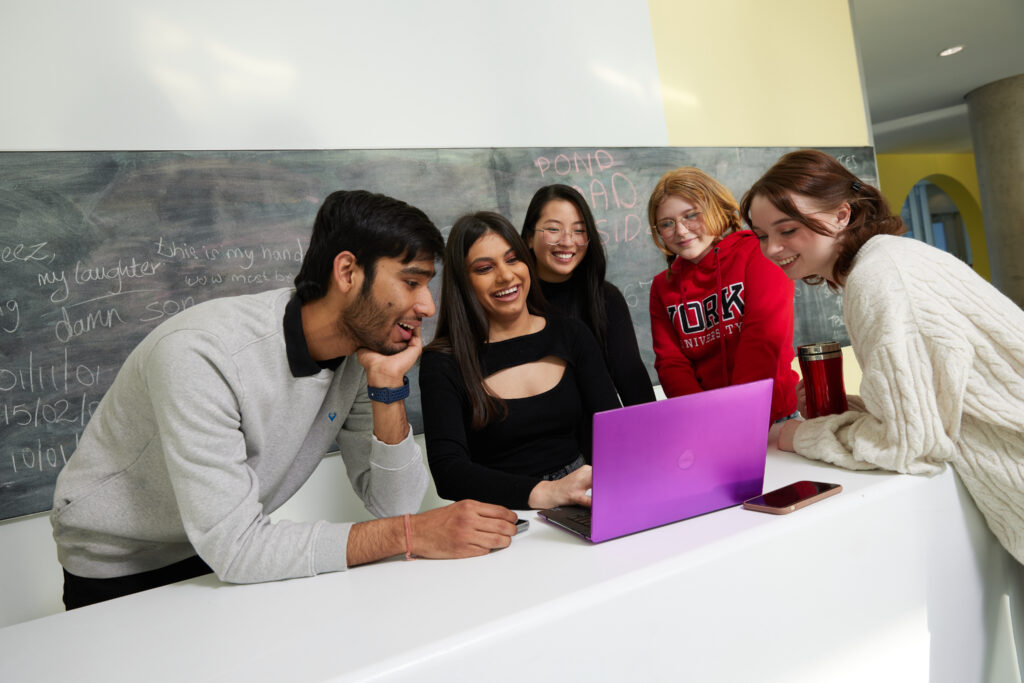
{"x": 954, "y": 174}
{"x": 851, "y": 370}
{"x": 761, "y": 74}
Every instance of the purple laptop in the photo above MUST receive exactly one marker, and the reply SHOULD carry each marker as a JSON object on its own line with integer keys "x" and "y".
{"x": 661, "y": 462}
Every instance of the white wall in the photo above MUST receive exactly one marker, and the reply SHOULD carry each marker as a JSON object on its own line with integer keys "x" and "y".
{"x": 156, "y": 74}
{"x": 191, "y": 74}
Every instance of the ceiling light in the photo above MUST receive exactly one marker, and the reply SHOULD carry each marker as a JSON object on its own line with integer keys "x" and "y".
{"x": 951, "y": 50}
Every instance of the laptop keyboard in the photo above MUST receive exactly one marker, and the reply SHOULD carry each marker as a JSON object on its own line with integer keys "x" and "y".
{"x": 571, "y": 517}
{"x": 582, "y": 517}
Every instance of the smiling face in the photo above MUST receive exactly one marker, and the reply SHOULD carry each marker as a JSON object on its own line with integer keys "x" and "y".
{"x": 798, "y": 250}
{"x": 556, "y": 240}
{"x": 384, "y": 317}
{"x": 680, "y": 224}
{"x": 500, "y": 280}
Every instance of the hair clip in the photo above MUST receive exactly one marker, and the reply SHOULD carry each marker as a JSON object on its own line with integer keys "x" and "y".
{"x": 856, "y": 186}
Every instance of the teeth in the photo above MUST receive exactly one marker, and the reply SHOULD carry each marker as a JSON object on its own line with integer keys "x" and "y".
{"x": 786, "y": 261}
{"x": 506, "y": 292}
{"x": 564, "y": 257}
{"x": 405, "y": 326}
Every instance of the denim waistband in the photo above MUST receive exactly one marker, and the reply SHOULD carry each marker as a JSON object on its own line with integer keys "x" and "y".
{"x": 562, "y": 471}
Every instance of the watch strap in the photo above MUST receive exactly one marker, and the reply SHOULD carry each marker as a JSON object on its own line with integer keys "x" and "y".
{"x": 389, "y": 394}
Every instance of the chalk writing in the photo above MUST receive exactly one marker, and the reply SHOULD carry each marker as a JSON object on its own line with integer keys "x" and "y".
{"x": 247, "y": 256}
{"x": 622, "y": 228}
{"x": 10, "y": 316}
{"x": 40, "y": 457}
{"x": 25, "y": 253}
{"x": 251, "y": 278}
{"x": 637, "y": 293}
{"x": 67, "y": 328}
{"x": 59, "y": 411}
{"x": 61, "y": 292}
{"x": 573, "y": 162}
{"x": 166, "y": 308}
{"x": 61, "y": 376}
{"x": 203, "y": 280}
{"x": 184, "y": 251}
{"x": 119, "y": 272}
{"x": 276, "y": 254}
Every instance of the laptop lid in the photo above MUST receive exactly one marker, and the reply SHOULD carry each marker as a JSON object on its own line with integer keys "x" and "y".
{"x": 668, "y": 460}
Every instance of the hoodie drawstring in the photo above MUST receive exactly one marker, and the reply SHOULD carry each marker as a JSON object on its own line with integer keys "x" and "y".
{"x": 721, "y": 323}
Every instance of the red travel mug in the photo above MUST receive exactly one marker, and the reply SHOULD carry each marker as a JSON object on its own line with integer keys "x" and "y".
{"x": 822, "y": 367}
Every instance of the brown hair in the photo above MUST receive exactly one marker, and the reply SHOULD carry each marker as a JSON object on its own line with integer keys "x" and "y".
{"x": 721, "y": 212}
{"x": 824, "y": 180}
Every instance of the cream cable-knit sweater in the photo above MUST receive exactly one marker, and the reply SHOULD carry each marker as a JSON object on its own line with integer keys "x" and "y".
{"x": 942, "y": 355}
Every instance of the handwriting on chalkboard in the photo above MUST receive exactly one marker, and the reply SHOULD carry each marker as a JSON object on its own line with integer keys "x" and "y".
{"x": 609, "y": 189}
{"x": 98, "y": 248}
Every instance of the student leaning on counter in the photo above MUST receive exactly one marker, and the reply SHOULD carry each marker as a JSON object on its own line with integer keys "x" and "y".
{"x": 224, "y": 411}
{"x": 940, "y": 349}
{"x": 721, "y": 314}
{"x": 508, "y": 390}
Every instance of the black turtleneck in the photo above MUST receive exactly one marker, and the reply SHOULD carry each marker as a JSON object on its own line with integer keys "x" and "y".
{"x": 621, "y": 352}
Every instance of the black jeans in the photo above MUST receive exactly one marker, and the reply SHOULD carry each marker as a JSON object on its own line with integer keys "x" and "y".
{"x": 79, "y": 591}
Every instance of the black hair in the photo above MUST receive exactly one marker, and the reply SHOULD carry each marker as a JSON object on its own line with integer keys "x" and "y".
{"x": 371, "y": 226}
{"x": 587, "y": 280}
{"x": 462, "y": 325}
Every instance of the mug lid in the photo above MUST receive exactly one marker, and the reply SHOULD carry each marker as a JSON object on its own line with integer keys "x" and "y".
{"x": 818, "y": 347}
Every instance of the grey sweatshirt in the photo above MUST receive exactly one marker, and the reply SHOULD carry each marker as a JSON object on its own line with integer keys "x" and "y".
{"x": 204, "y": 433}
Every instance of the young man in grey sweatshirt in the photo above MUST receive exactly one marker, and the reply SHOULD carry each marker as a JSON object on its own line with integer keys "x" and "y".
{"x": 224, "y": 411}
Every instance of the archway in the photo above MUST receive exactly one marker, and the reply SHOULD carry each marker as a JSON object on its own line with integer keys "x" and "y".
{"x": 955, "y": 175}
{"x": 946, "y": 205}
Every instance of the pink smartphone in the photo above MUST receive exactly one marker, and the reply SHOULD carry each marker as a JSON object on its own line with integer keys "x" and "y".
{"x": 792, "y": 497}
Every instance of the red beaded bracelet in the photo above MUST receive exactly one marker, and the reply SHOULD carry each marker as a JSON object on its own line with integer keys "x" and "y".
{"x": 408, "y": 538}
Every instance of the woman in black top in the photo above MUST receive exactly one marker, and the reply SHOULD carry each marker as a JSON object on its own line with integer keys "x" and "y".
{"x": 570, "y": 261}
{"x": 507, "y": 390}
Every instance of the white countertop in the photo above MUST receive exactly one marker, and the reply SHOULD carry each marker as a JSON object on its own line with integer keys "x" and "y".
{"x": 882, "y": 580}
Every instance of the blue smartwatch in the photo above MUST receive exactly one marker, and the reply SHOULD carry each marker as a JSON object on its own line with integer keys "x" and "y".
{"x": 389, "y": 394}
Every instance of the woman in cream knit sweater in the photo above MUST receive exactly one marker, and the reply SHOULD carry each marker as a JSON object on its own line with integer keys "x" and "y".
{"x": 941, "y": 350}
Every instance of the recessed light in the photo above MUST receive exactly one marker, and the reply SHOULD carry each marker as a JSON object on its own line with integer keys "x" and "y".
{"x": 951, "y": 50}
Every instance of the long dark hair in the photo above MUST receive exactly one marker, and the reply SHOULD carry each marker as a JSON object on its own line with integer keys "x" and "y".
{"x": 462, "y": 325}
{"x": 371, "y": 226}
{"x": 820, "y": 177}
{"x": 588, "y": 279}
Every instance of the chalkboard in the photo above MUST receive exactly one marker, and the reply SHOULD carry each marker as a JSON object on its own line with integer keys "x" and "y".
{"x": 97, "y": 248}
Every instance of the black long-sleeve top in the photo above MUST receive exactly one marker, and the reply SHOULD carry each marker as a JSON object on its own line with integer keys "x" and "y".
{"x": 502, "y": 462}
{"x": 622, "y": 353}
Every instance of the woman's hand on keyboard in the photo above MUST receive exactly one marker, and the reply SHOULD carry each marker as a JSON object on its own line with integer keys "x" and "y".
{"x": 571, "y": 489}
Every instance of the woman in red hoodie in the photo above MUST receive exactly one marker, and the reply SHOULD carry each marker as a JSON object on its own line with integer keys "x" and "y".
{"x": 720, "y": 314}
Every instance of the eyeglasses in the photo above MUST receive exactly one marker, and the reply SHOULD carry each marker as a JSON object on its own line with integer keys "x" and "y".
{"x": 553, "y": 236}
{"x": 667, "y": 226}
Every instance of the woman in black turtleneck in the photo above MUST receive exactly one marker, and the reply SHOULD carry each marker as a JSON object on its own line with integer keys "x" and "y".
{"x": 561, "y": 233}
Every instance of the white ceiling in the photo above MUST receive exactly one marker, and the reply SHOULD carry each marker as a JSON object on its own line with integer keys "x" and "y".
{"x": 915, "y": 97}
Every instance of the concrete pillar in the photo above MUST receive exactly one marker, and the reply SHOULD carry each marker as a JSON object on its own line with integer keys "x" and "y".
{"x": 996, "y": 115}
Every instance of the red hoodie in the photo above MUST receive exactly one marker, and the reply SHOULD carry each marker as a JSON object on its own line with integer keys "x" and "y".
{"x": 693, "y": 352}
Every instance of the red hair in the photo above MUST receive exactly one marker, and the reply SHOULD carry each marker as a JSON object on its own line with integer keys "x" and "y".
{"x": 721, "y": 212}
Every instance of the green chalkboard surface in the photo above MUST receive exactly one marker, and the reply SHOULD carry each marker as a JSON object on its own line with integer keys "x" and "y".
{"x": 97, "y": 248}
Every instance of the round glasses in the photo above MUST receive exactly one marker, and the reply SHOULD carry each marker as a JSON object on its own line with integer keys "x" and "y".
{"x": 667, "y": 226}
{"x": 553, "y": 236}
